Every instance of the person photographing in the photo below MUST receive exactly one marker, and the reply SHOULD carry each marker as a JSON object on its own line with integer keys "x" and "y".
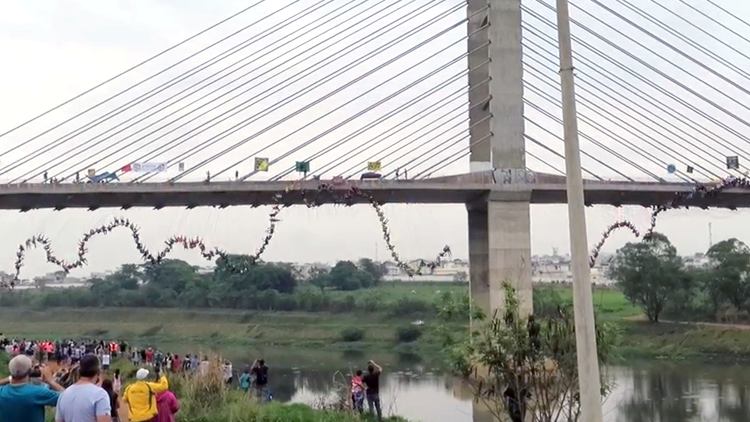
{"x": 20, "y": 399}
{"x": 140, "y": 396}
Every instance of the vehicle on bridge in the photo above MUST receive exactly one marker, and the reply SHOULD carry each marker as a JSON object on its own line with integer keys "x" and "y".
{"x": 105, "y": 177}
{"x": 371, "y": 175}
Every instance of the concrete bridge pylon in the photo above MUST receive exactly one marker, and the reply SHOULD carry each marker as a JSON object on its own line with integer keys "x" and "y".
{"x": 499, "y": 229}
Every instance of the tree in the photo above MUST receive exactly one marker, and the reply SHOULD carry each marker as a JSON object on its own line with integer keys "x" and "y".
{"x": 375, "y": 270}
{"x": 346, "y": 276}
{"x": 648, "y": 272}
{"x": 526, "y": 368}
{"x": 730, "y": 261}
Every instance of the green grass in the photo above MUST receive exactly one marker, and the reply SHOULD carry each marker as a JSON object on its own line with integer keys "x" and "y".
{"x": 323, "y": 331}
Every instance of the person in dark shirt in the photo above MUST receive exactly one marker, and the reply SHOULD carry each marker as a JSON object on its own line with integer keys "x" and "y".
{"x": 372, "y": 381}
{"x": 259, "y": 371}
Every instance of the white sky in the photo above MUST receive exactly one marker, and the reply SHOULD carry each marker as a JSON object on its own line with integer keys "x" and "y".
{"x": 53, "y": 50}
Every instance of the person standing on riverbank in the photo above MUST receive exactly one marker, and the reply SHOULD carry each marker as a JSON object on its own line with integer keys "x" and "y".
{"x": 140, "y": 396}
{"x": 372, "y": 381}
{"x": 260, "y": 378}
{"x": 358, "y": 392}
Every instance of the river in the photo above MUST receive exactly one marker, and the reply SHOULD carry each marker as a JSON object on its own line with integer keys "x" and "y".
{"x": 418, "y": 389}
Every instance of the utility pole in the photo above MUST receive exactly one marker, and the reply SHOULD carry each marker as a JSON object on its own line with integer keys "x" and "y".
{"x": 710, "y": 236}
{"x": 588, "y": 362}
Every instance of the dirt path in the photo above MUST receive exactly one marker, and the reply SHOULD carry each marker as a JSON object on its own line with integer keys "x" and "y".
{"x": 740, "y": 327}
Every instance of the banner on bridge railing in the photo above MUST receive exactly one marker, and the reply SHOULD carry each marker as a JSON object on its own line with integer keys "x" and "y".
{"x": 146, "y": 167}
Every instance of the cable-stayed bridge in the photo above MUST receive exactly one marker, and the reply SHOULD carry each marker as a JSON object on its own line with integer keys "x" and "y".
{"x": 410, "y": 88}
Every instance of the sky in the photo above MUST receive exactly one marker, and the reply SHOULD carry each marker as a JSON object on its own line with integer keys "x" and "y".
{"x": 317, "y": 75}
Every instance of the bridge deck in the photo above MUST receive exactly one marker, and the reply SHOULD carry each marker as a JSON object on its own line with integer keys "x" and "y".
{"x": 437, "y": 191}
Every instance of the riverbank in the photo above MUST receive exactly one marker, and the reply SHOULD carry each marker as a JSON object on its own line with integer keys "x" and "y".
{"x": 364, "y": 331}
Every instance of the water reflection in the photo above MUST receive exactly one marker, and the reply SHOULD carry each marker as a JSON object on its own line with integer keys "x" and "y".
{"x": 683, "y": 392}
{"x": 415, "y": 387}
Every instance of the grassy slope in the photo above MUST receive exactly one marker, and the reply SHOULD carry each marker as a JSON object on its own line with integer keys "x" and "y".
{"x": 322, "y": 330}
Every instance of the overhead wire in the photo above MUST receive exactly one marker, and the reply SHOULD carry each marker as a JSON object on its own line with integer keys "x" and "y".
{"x": 318, "y": 23}
{"x": 405, "y": 36}
{"x": 648, "y": 98}
{"x": 280, "y": 87}
{"x": 118, "y": 109}
{"x": 130, "y": 69}
{"x": 41, "y": 168}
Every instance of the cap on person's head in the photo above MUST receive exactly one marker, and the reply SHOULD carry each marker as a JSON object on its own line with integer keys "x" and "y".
{"x": 88, "y": 366}
{"x": 20, "y": 366}
{"x": 141, "y": 374}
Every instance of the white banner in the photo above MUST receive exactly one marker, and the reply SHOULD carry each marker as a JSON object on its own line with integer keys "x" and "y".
{"x": 149, "y": 167}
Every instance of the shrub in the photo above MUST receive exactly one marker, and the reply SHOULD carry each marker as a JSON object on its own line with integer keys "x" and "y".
{"x": 408, "y": 334}
{"x": 352, "y": 334}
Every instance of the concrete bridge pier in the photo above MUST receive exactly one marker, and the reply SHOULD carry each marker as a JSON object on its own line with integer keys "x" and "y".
{"x": 499, "y": 251}
{"x": 499, "y": 230}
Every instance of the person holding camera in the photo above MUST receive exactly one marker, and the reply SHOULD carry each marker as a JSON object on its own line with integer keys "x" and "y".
{"x": 140, "y": 396}
{"x": 20, "y": 399}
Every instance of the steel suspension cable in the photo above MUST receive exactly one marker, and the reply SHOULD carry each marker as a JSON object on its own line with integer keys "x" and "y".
{"x": 618, "y": 155}
{"x": 639, "y": 93}
{"x": 686, "y": 39}
{"x": 390, "y": 114}
{"x": 164, "y": 107}
{"x": 468, "y": 148}
{"x": 357, "y": 115}
{"x": 126, "y": 72}
{"x": 371, "y": 125}
{"x": 260, "y": 97}
{"x": 559, "y": 138}
{"x": 652, "y": 68}
{"x": 549, "y": 40}
{"x": 562, "y": 173}
{"x": 536, "y": 71}
{"x": 382, "y": 155}
{"x": 363, "y": 41}
{"x": 723, "y": 25}
{"x": 142, "y": 82}
{"x": 671, "y": 47}
{"x": 404, "y": 124}
{"x": 609, "y": 132}
{"x": 423, "y": 26}
{"x": 155, "y": 91}
{"x": 222, "y": 87}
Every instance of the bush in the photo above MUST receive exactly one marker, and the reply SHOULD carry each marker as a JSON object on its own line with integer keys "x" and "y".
{"x": 408, "y": 334}
{"x": 352, "y": 334}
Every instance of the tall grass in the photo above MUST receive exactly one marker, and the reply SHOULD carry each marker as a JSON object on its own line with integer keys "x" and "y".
{"x": 206, "y": 398}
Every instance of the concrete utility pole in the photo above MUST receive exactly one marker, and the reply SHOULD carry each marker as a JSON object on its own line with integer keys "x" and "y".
{"x": 588, "y": 362}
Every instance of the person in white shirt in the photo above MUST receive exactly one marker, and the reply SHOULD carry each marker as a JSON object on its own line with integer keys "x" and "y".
{"x": 106, "y": 360}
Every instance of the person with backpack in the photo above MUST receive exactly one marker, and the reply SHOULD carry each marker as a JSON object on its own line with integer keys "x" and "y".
{"x": 140, "y": 396}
